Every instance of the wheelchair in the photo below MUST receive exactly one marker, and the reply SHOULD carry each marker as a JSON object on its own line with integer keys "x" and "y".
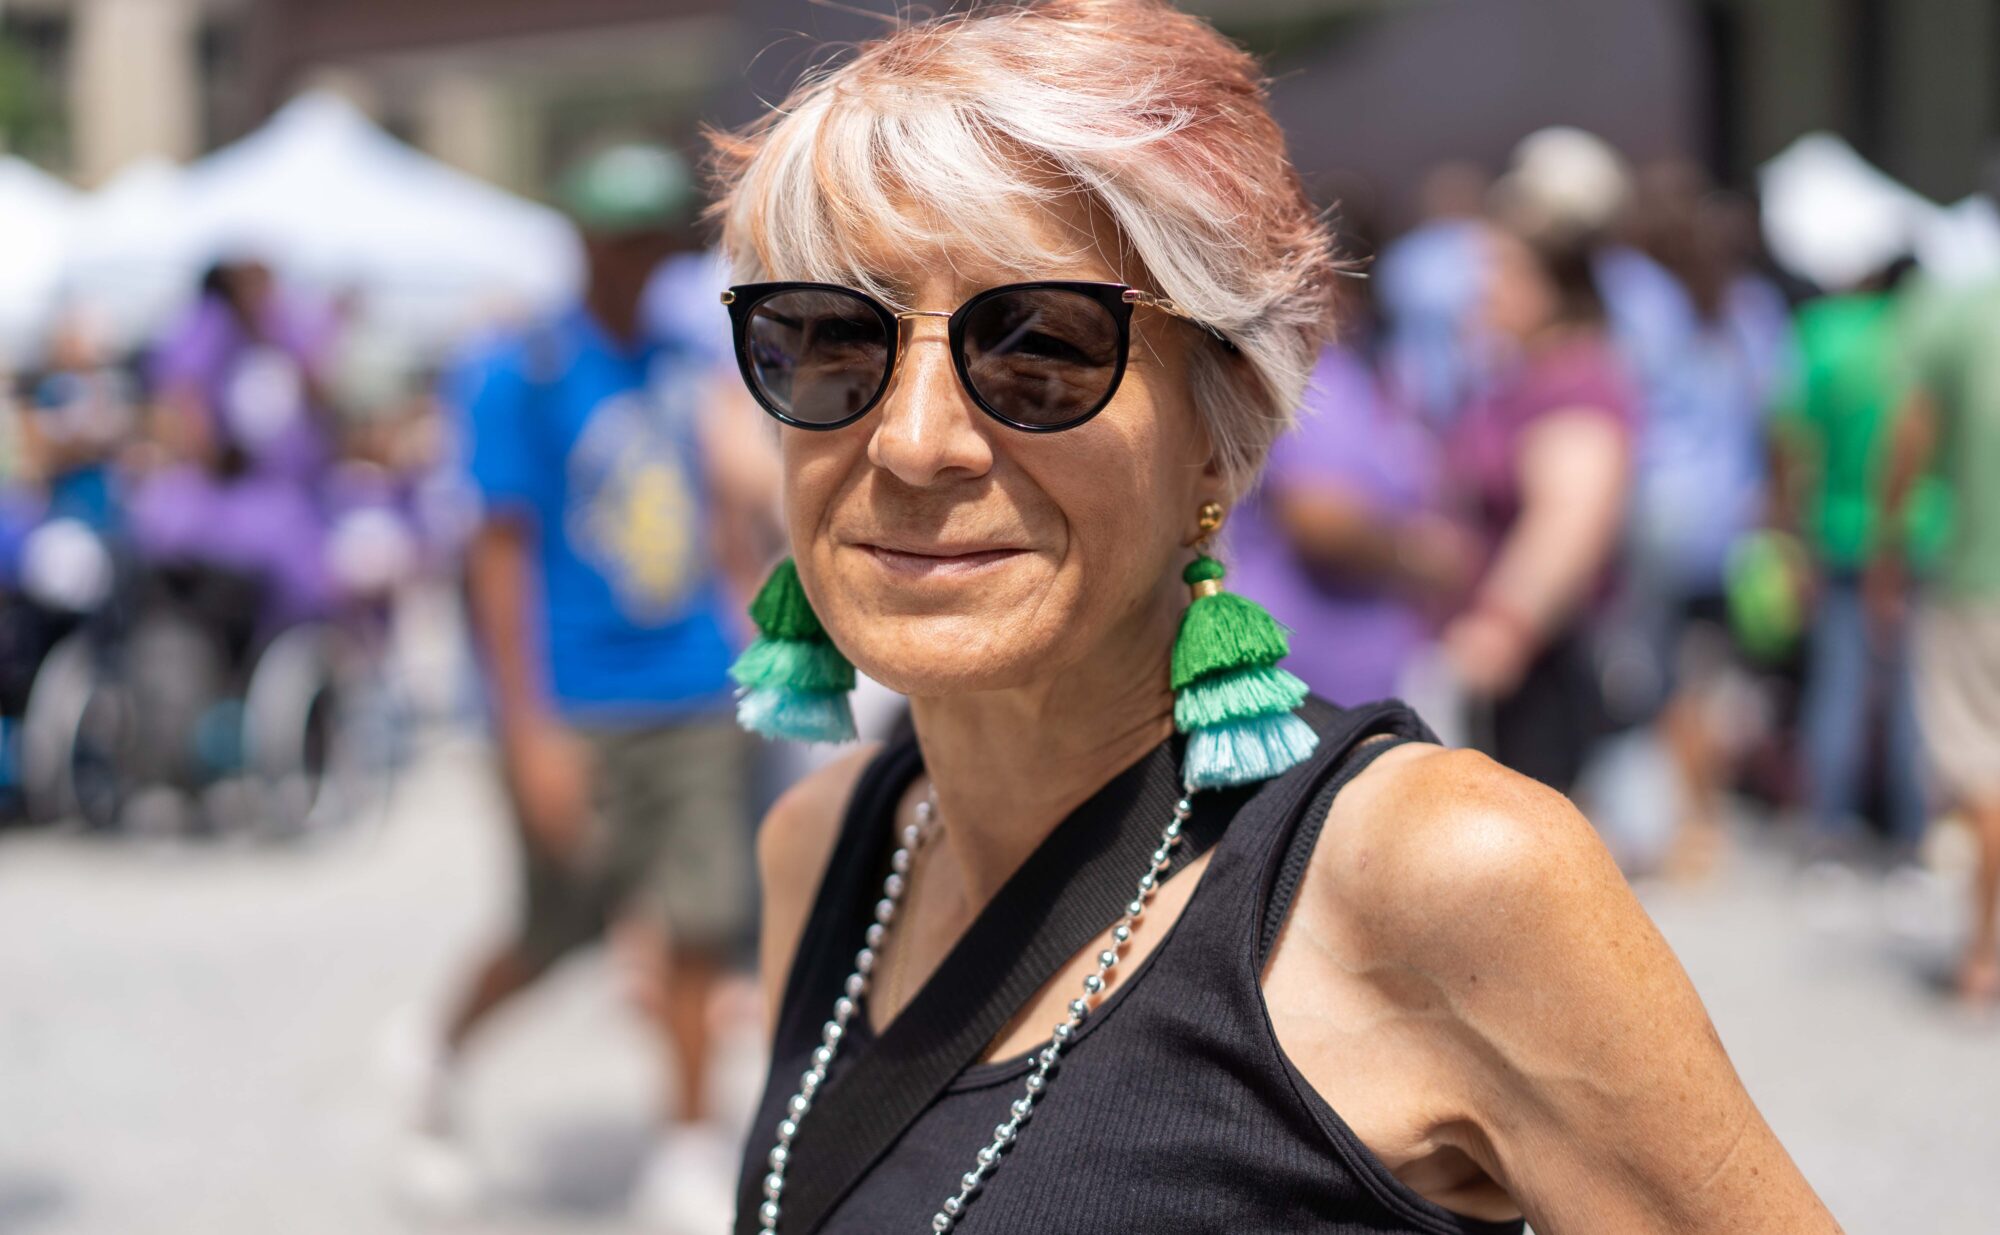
{"x": 175, "y": 708}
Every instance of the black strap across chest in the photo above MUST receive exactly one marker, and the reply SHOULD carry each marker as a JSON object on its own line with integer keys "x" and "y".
{"x": 1067, "y": 893}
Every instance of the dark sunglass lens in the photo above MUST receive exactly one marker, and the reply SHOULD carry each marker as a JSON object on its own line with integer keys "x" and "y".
{"x": 816, "y": 356}
{"x": 1041, "y": 357}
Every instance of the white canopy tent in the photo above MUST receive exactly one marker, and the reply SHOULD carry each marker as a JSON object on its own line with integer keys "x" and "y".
{"x": 136, "y": 249}
{"x": 1834, "y": 218}
{"x": 334, "y": 204}
{"x": 1963, "y": 245}
{"x": 330, "y": 199}
{"x": 35, "y": 217}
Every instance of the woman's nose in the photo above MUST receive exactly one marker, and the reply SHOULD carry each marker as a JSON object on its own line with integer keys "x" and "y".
{"x": 929, "y": 430}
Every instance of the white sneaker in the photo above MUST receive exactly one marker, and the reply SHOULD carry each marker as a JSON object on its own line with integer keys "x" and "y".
{"x": 688, "y": 1185}
{"x": 437, "y": 1177}
{"x": 409, "y": 1051}
{"x": 434, "y": 1172}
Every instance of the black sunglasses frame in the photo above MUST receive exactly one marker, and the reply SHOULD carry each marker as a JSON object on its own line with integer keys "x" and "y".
{"x": 1116, "y": 299}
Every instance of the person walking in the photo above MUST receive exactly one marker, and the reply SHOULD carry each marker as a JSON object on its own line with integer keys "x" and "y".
{"x": 599, "y": 618}
{"x": 1833, "y": 435}
{"x": 1950, "y": 429}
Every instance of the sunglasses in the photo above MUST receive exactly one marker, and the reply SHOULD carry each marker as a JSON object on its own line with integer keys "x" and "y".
{"x": 1039, "y": 357}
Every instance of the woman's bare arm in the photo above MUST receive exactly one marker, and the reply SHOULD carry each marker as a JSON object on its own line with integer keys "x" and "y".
{"x": 1567, "y": 1032}
{"x": 1573, "y": 471}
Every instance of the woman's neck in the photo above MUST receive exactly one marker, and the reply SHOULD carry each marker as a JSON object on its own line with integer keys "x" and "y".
{"x": 1008, "y": 766}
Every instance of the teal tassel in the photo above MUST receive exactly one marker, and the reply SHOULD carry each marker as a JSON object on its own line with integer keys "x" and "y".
{"x": 796, "y": 715}
{"x": 782, "y": 610}
{"x": 1229, "y": 694}
{"x": 1239, "y": 752}
{"x": 796, "y": 681}
{"x": 811, "y": 665}
{"x": 1246, "y": 693}
{"x": 1221, "y": 631}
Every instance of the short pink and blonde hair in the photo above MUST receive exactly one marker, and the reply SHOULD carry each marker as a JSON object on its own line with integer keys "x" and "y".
{"x": 944, "y": 134}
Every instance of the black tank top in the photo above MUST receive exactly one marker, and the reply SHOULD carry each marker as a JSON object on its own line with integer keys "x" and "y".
{"x": 1174, "y": 1109}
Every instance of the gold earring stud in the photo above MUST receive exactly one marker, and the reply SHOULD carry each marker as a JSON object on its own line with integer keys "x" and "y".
{"x": 1209, "y": 521}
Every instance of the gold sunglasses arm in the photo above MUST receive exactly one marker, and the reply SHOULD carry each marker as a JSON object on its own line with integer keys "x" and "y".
{"x": 730, "y": 298}
{"x": 1133, "y": 295}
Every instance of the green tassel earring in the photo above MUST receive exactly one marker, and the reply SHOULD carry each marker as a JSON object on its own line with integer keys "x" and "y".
{"x": 795, "y": 682}
{"x": 1230, "y": 697}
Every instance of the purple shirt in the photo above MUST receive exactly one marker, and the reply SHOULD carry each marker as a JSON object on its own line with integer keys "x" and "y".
{"x": 1482, "y": 454}
{"x": 253, "y": 389}
{"x": 1351, "y": 636}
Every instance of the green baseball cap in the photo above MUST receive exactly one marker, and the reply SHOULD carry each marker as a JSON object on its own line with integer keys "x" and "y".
{"x": 627, "y": 187}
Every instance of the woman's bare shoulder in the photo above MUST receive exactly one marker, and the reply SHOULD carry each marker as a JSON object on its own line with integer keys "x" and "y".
{"x": 1429, "y": 841}
{"x": 1442, "y": 862}
{"x": 793, "y": 846}
{"x": 1561, "y": 1024}
{"x": 800, "y": 828}
{"x": 799, "y": 831}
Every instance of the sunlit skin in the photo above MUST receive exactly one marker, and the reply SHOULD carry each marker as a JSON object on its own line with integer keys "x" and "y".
{"x": 1021, "y": 588}
{"x": 1465, "y": 976}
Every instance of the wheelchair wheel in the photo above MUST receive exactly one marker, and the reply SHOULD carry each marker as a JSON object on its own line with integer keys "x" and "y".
{"x": 75, "y": 739}
{"x": 313, "y": 732}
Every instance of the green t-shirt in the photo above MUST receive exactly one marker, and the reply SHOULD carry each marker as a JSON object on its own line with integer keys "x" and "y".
{"x": 1849, "y": 383}
{"x": 1954, "y": 355}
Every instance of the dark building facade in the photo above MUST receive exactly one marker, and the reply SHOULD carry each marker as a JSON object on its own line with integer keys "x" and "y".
{"x": 1381, "y": 88}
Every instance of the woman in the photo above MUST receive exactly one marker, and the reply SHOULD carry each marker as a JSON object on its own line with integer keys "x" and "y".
{"x": 243, "y": 414}
{"x": 1540, "y": 460}
{"x": 1430, "y": 1006}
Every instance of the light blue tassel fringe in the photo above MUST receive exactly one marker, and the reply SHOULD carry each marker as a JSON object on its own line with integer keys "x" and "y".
{"x": 796, "y": 715}
{"x": 1247, "y": 750}
{"x": 1256, "y": 690}
{"x": 797, "y": 664}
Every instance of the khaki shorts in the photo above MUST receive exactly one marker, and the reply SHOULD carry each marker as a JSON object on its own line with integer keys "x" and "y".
{"x": 671, "y": 844}
{"x": 1958, "y": 694}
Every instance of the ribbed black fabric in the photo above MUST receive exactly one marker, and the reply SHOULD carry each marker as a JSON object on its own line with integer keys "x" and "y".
{"x": 1079, "y": 878}
{"x": 1174, "y": 1109}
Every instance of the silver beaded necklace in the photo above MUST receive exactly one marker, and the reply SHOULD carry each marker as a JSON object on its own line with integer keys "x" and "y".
{"x": 988, "y": 1159}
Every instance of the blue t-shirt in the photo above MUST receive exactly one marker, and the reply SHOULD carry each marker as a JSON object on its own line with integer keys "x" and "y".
{"x": 596, "y": 443}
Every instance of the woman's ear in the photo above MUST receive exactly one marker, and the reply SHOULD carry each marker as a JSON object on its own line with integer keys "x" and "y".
{"x": 1212, "y": 486}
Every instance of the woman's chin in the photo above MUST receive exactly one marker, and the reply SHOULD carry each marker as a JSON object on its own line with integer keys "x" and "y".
{"x": 950, "y": 653}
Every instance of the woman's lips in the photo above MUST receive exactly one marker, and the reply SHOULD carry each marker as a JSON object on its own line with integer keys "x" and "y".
{"x": 937, "y": 563}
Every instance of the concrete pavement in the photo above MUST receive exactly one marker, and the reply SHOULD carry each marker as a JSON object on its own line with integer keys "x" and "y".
{"x": 193, "y": 1039}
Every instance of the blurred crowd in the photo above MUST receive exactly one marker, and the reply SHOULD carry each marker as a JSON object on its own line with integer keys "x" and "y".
{"x": 254, "y": 480}
{"x": 1588, "y": 478}
{"x": 1639, "y": 514}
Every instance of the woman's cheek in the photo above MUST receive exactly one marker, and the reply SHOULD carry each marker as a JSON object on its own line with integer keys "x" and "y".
{"x": 812, "y": 478}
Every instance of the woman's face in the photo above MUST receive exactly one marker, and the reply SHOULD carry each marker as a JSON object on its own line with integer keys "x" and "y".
{"x": 1520, "y": 298}
{"x": 947, "y": 552}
